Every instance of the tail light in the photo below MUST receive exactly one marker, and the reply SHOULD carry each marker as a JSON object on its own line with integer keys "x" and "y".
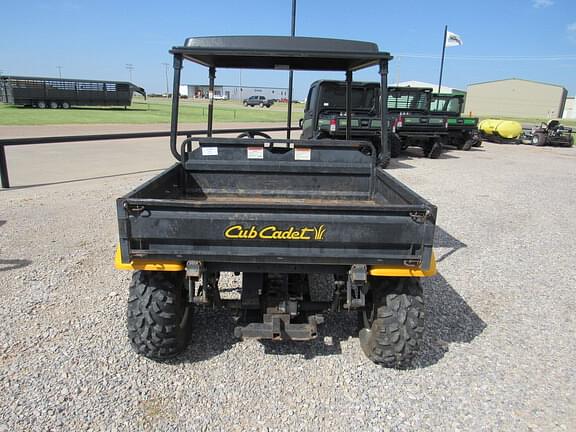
{"x": 398, "y": 123}
{"x": 333, "y": 125}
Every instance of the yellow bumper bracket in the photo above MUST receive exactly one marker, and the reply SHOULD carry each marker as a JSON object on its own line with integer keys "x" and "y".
{"x": 144, "y": 264}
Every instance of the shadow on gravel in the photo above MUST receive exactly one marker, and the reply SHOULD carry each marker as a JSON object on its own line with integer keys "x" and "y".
{"x": 449, "y": 319}
{"x": 444, "y": 240}
{"x": 338, "y": 327}
{"x": 12, "y": 264}
{"x": 212, "y": 334}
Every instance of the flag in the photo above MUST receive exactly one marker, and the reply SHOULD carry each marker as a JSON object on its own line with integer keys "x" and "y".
{"x": 452, "y": 39}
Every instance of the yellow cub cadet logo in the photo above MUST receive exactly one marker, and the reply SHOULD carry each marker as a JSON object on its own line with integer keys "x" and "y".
{"x": 272, "y": 232}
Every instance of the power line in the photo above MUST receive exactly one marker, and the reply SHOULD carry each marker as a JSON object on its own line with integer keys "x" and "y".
{"x": 491, "y": 58}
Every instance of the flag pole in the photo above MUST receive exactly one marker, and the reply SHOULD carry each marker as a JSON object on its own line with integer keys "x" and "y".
{"x": 442, "y": 61}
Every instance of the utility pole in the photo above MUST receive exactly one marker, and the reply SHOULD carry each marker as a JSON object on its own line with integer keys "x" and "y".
{"x": 130, "y": 68}
{"x": 59, "y": 71}
{"x": 291, "y": 73}
{"x": 166, "y": 65}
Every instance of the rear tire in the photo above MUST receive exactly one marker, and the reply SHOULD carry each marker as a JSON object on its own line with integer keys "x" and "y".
{"x": 468, "y": 144}
{"x": 261, "y": 105}
{"x": 54, "y": 105}
{"x": 392, "y": 322}
{"x": 433, "y": 150}
{"x": 65, "y": 105}
{"x": 395, "y": 146}
{"x": 159, "y": 316}
{"x": 383, "y": 161}
{"x": 539, "y": 139}
{"x": 41, "y": 104}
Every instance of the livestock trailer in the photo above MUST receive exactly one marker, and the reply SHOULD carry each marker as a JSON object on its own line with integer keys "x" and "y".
{"x": 63, "y": 93}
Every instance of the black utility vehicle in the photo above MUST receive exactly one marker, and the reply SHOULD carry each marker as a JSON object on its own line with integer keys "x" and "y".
{"x": 325, "y": 111}
{"x": 412, "y": 124}
{"x": 312, "y": 225}
{"x": 260, "y": 101}
{"x": 462, "y": 131}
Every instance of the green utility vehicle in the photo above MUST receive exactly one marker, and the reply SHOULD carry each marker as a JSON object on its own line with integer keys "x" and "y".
{"x": 325, "y": 112}
{"x": 312, "y": 225}
{"x": 462, "y": 131}
{"x": 411, "y": 122}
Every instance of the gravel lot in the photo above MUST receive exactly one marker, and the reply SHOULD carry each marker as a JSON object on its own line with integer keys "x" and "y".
{"x": 499, "y": 350}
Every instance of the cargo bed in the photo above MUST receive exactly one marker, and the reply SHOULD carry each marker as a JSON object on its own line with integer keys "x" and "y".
{"x": 293, "y": 204}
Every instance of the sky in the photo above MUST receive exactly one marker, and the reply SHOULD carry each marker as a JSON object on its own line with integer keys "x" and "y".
{"x": 529, "y": 39}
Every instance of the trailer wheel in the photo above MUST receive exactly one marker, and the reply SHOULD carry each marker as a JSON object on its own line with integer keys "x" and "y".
{"x": 539, "y": 139}
{"x": 158, "y": 314}
{"x": 41, "y": 104}
{"x": 392, "y": 321}
{"x": 261, "y": 105}
{"x": 53, "y": 105}
{"x": 65, "y": 105}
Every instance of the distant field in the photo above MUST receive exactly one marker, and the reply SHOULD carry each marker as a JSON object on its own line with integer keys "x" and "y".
{"x": 155, "y": 110}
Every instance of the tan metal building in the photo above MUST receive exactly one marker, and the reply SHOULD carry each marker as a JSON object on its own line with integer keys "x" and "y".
{"x": 516, "y": 97}
{"x": 569, "y": 108}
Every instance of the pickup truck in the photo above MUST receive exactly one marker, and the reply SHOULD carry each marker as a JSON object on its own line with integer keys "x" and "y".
{"x": 260, "y": 101}
{"x": 312, "y": 225}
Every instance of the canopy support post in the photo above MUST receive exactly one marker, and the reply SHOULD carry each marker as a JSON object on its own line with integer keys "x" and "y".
{"x": 175, "y": 102}
{"x": 348, "y": 104}
{"x": 212, "y": 77}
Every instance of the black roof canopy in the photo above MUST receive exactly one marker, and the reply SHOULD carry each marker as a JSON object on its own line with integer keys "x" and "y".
{"x": 281, "y": 52}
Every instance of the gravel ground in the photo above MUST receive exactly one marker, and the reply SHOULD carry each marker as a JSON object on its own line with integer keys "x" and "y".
{"x": 499, "y": 347}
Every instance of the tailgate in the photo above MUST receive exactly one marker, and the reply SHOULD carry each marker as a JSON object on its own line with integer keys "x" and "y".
{"x": 283, "y": 234}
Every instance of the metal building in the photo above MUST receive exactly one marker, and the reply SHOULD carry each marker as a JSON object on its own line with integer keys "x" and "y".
{"x": 516, "y": 97}
{"x": 569, "y": 108}
{"x": 200, "y": 91}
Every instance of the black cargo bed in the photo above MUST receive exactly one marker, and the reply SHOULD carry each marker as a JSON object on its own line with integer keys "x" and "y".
{"x": 198, "y": 209}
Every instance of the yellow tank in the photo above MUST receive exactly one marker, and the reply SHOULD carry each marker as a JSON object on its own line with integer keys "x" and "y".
{"x": 506, "y": 129}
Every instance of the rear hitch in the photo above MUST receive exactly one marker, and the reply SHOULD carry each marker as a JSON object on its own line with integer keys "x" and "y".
{"x": 277, "y": 326}
{"x": 356, "y": 287}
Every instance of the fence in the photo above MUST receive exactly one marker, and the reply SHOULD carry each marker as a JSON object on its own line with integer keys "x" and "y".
{"x": 7, "y": 142}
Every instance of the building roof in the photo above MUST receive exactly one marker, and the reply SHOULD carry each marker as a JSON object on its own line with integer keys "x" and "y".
{"x": 281, "y": 52}
{"x": 517, "y": 79}
{"x": 238, "y": 86}
{"x": 443, "y": 89}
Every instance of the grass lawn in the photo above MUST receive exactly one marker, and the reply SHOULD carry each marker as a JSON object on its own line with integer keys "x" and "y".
{"x": 155, "y": 110}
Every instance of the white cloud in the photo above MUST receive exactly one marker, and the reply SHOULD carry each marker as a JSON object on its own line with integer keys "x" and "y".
{"x": 571, "y": 30}
{"x": 540, "y": 4}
